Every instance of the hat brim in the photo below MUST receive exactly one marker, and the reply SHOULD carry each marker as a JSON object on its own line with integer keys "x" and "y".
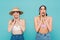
{"x": 20, "y": 12}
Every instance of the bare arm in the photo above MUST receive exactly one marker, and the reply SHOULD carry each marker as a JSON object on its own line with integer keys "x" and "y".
{"x": 10, "y": 25}
{"x": 49, "y": 24}
{"x": 37, "y": 27}
{"x": 23, "y": 25}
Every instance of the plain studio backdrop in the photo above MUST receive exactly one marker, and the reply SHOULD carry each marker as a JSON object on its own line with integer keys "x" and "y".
{"x": 30, "y": 9}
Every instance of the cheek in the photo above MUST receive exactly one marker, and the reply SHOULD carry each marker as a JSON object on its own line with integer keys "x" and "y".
{"x": 41, "y": 11}
{"x": 18, "y": 14}
{"x": 13, "y": 15}
{"x": 44, "y": 10}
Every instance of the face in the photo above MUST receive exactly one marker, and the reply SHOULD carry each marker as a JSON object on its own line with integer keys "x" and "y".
{"x": 42, "y": 11}
{"x": 16, "y": 15}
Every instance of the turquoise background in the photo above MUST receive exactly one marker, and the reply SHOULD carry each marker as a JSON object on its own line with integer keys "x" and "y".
{"x": 30, "y": 9}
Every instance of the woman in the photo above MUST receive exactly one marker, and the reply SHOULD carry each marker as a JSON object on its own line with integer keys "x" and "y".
{"x": 16, "y": 26}
{"x": 43, "y": 24}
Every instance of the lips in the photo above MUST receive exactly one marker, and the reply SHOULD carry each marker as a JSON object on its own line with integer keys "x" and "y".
{"x": 43, "y": 13}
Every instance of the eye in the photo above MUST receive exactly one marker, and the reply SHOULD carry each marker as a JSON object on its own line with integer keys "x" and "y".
{"x": 13, "y": 12}
{"x": 17, "y": 11}
{"x": 41, "y": 9}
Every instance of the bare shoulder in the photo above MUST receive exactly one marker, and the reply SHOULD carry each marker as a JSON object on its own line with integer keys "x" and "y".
{"x": 23, "y": 20}
{"x": 10, "y": 21}
{"x": 49, "y": 17}
{"x": 36, "y": 17}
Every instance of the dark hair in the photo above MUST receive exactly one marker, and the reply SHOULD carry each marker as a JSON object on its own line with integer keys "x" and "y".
{"x": 12, "y": 20}
{"x": 44, "y": 7}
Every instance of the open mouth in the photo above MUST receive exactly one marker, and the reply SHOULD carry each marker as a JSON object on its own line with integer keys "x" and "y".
{"x": 43, "y": 14}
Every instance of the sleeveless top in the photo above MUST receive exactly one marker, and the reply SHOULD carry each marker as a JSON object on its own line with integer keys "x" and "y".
{"x": 16, "y": 27}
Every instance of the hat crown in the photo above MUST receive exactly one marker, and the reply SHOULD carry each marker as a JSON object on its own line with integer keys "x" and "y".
{"x": 16, "y": 9}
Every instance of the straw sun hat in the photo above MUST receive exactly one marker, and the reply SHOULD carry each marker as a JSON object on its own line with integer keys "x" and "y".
{"x": 15, "y": 10}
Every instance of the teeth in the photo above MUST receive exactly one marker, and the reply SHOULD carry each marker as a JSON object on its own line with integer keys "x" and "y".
{"x": 42, "y": 14}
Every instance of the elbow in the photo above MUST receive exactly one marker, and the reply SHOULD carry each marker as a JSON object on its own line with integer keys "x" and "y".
{"x": 36, "y": 30}
{"x": 50, "y": 30}
{"x": 23, "y": 29}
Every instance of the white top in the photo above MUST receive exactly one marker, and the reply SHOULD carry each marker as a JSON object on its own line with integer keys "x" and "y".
{"x": 16, "y": 27}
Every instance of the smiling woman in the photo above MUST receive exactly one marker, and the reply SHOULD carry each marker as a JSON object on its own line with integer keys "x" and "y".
{"x": 17, "y": 25}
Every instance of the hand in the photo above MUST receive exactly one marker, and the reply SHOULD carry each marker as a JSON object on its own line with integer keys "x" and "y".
{"x": 18, "y": 21}
{"x": 39, "y": 22}
{"x": 46, "y": 21}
